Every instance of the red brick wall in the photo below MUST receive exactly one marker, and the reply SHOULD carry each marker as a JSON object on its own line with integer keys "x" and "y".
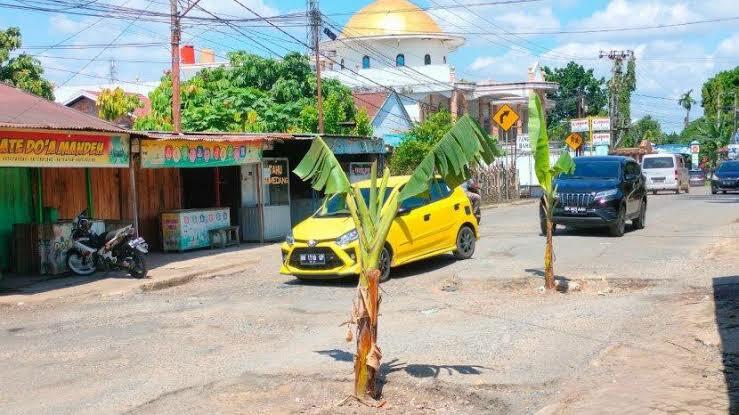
{"x": 85, "y": 105}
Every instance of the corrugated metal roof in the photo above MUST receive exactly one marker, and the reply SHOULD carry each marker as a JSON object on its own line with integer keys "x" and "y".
{"x": 214, "y": 136}
{"x": 19, "y": 109}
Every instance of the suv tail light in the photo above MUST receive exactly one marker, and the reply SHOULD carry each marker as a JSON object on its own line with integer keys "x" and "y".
{"x": 676, "y": 174}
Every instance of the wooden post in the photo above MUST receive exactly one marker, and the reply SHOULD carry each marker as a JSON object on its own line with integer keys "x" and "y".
{"x": 217, "y": 184}
{"x": 175, "y": 44}
{"x": 39, "y": 196}
{"x": 88, "y": 190}
{"x": 134, "y": 195}
{"x": 260, "y": 202}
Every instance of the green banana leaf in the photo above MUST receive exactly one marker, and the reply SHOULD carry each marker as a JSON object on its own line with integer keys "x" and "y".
{"x": 463, "y": 147}
{"x": 322, "y": 169}
{"x": 543, "y": 168}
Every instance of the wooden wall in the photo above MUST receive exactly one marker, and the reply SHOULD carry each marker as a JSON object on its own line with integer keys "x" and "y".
{"x": 65, "y": 189}
{"x": 158, "y": 190}
{"x": 107, "y": 193}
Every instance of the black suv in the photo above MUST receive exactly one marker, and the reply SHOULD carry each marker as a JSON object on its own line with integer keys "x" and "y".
{"x": 602, "y": 192}
{"x": 726, "y": 177}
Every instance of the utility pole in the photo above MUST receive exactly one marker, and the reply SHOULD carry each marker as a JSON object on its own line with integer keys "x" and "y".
{"x": 314, "y": 21}
{"x": 112, "y": 71}
{"x": 176, "y": 34}
{"x": 614, "y": 113}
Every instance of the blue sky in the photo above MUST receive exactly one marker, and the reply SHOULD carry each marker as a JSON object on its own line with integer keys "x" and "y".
{"x": 669, "y": 60}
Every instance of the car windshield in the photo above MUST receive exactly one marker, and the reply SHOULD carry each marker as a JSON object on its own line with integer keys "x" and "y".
{"x": 336, "y": 204}
{"x": 587, "y": 169}
{"x": 658, "y": 163}
{"x": 729, "y": 167}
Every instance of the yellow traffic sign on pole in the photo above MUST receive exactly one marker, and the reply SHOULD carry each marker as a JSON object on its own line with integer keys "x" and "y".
{"x": 505, "y": 117}
{"x": 574, "y": 140}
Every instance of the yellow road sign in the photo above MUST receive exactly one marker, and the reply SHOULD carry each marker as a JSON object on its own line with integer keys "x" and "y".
{"x": 574, "y": 140}
{"x": 505, "y": 117}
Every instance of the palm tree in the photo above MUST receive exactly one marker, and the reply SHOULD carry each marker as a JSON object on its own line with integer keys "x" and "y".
{"x": 686, "y": 101}
{"x": 463, "y": 147}
{"x": 546, "y": 174}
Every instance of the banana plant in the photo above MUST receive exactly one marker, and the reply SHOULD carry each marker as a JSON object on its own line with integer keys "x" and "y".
{"x": 462, "y": 148}
{"x": 546, "y": 173}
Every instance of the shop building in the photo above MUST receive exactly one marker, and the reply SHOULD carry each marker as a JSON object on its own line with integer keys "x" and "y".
{"x": 54, "y": 163}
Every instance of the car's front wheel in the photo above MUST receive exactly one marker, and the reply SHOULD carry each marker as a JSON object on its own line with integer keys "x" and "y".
{"x": 641, "y": 220}
{"x": 384, "y": 265}
{"x": 619, "y": 227}
{"x": 465, "y": 243}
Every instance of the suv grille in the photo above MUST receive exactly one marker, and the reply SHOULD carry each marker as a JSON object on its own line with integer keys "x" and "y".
{"x": 576, "y": 199}
{"x": 332, "y": 260}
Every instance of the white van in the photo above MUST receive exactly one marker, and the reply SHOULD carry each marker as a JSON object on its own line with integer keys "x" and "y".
{"x": 666, "y": 172}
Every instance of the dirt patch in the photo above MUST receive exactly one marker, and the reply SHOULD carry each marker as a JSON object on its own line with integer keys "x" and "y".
{"x": 602, "y": 286}
{"x": 665, "y": 368}
{"x": 292, "y": 394}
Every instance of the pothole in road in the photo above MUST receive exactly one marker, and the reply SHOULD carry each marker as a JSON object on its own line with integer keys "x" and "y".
{"x": 529, "y": 285}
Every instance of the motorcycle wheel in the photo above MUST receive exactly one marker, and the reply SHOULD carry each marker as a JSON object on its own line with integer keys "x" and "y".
{"x": 139, "y": 266}
{"x": 80, "y": 264}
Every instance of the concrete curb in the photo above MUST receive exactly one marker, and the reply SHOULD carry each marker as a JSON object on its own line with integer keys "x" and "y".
{"x": 521, "y": 202}
{"x": 169, "y": 282}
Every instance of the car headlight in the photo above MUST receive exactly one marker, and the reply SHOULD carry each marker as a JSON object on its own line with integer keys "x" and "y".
{"x": 605, "y": 194}
{"x": 347, "y": 238}
{"x": 290, "y": 239}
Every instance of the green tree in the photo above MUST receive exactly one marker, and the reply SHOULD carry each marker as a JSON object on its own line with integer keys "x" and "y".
{"x": 419, "y": 140}
{"x": 718, "y": 94}
{"x": 546, "y": 173}
{"x": 363, "y": 127}
{"x": 576, "y": 85}
{"x": 686, "y": 101}
{"x": 646, "y": 128}
{"x": 22, "y": 71}
{"x": 115, "y": 103}
{"x": 462, "y": 147}
{"x": 254, "y": 94}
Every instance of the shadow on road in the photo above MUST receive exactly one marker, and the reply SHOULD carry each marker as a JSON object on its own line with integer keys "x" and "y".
{"x": 413, "y": 369}
{"x": 726, "y": 301}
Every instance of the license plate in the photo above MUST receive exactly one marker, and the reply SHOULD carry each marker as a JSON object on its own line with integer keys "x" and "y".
{"x": 575, "y": 209}
{"x": 312, "y": 259}
{"x": 658, "y": 179}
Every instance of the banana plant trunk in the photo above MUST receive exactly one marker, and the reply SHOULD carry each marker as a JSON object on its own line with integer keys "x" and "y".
{"x": 549, "y": 249}
{"x": 367, "y": 361}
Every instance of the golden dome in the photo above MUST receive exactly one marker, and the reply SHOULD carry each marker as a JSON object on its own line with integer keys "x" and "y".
{"x": 390, "y": 17}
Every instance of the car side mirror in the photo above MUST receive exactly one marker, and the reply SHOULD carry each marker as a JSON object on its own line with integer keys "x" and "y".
{"x": 403, "y": 211}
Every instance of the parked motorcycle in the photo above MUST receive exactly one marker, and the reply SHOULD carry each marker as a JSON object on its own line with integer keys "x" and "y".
{"x": 116, "y": 249}
{"x": 473, "y": 192}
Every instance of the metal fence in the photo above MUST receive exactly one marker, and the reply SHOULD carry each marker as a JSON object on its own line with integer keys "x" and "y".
{"x": 498, "y": 183}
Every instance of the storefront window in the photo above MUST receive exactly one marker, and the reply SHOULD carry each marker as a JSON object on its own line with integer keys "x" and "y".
{"x": 276, "y": 182}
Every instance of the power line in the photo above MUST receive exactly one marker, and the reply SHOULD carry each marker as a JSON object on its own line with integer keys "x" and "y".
{"x": 439, "y": 7}
{"x": 122, "y": 32}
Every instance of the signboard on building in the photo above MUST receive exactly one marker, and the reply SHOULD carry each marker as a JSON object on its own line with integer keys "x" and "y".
{"x": 579, "y": 125}
{"x": 198, "y": 153}
{"x": 58, "y": 149}
{"x": 601, "y": 124}
{"x": 523, "y": 144}
{"x": 188, "y": 229}
{"x": 602, "y": 139}
{"x": 359, "y": 171}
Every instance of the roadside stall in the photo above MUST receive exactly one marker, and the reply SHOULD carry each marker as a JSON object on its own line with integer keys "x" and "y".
{"x": 222, "y": 187}
{"x": 54, "y": 163}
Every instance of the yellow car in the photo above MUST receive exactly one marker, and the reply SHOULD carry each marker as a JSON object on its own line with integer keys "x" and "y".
{"x": 325, "y": 245}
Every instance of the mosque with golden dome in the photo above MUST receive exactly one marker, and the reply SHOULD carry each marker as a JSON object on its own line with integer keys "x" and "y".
{"x": 394, "y": 45}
